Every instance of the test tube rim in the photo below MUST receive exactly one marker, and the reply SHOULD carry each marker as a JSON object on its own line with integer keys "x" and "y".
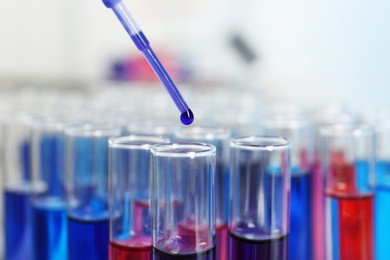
{"x": 282, "y": 144}
{"x": 92, "y": 130}
{"x": 203, "y": 132}
{"x": 341, "y": 130}
{"x": 287, "y": 121}
{"x": 47, "y": 123}
{"x": 167, "y": 150}
{"x": 136, "y": 141}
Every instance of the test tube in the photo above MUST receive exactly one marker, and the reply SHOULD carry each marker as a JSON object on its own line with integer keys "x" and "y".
{"x": 259, "y": 198}
{"x": 348, "y": 161}
{"x": 333, "y": 114}
{"x": 382, "y": 190}
{"x": 86, "y": 150}
{"x": 17, "y": 188}
{"x": 219, "y": 137}
{"x": 130, "y": 179}
{"x": 298, "y": 129}
{"x": 183, "y": 201}
{"x": 49, "y": 223}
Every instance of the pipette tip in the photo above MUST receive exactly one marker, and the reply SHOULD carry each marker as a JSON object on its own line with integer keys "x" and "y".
{"x": 187, "y": 117}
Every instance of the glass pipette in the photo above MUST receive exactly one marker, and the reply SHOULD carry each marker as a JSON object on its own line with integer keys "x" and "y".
{"x": 142, "y": 43}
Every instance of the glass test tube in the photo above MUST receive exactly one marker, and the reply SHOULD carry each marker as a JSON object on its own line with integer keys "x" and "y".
{"x": 348, "y": 166}
{"x": 183, "y": 199}
{"x": 49, "y": 223}
{"x": 382, "y": 190}
{"x": 218, "y": 137}
{"x": 17, "y": 189}
{"x": 86, "y": 149}
{"x": 326, "y": 116}
{"x": 298, "y": 129}
{"x": 130, "y": 181}
{"x": 259, "y": 198}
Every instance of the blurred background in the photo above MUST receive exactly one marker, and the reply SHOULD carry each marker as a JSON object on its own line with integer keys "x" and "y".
{"x": 307, "y": 52}
{"x": 233, "y": 60}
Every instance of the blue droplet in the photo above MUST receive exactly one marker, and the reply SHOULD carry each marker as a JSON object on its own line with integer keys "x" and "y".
{"x": 187, "y": 117}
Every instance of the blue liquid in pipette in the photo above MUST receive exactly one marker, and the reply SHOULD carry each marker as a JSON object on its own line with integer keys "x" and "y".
{"x": 17, "y": 224}
{"x": 142, "y": 43}
{"x": 382, "y": 212}
{"x": 187, "y": 117}
{"x": 49, "y": 229}
{"x": 300, "y": 243}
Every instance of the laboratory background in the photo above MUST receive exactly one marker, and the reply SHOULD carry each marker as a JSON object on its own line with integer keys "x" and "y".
{"x": 277, "y": 111}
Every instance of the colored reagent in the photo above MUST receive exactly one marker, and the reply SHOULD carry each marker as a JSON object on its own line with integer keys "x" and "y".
{"x": 318, "y": 212}
{"x": 187, "y": 117}
{"x": 88, "y": 239}
{"x": 300, "y": 245}
{"x": 269, "y": 249}
{"x": 49, "y": 229}
{"x": 136, "y": 248}
{"x": 190, "y": 238}
{"x": 350, "y": 216}
{"x": 17, "y": 224}
{"x": 382, "y": 212}
{"x": 352, "y": 225}
{"x": 221, "y": 242}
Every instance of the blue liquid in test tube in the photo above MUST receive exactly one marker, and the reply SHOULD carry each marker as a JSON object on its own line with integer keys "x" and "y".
{"x": 142, "y": 43}
{"x": 17, "y": 226}
{"x": 49, "y": 234}
{"x": 17, "y": 185}
{"x": 382, "y": 212}
{"x": 297, "y": 128}
{"x": 382, "y": 191}
{"x": 87, "y": 197}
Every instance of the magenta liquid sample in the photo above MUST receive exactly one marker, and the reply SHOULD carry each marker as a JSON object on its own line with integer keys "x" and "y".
{"x": 221, "y": 241}
{"x": 268, "y": 249}
{"x": 136, "y": 248}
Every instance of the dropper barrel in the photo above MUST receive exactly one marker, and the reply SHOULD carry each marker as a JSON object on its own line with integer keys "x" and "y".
{"x": 143, "y": 45}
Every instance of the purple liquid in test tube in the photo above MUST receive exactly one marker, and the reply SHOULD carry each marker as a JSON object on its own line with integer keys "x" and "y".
{"x": 130, "y": 181}
{"x": 142, "y": 43}
{"x": 183, "y": 172}
{"x": 260, "y": 185}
